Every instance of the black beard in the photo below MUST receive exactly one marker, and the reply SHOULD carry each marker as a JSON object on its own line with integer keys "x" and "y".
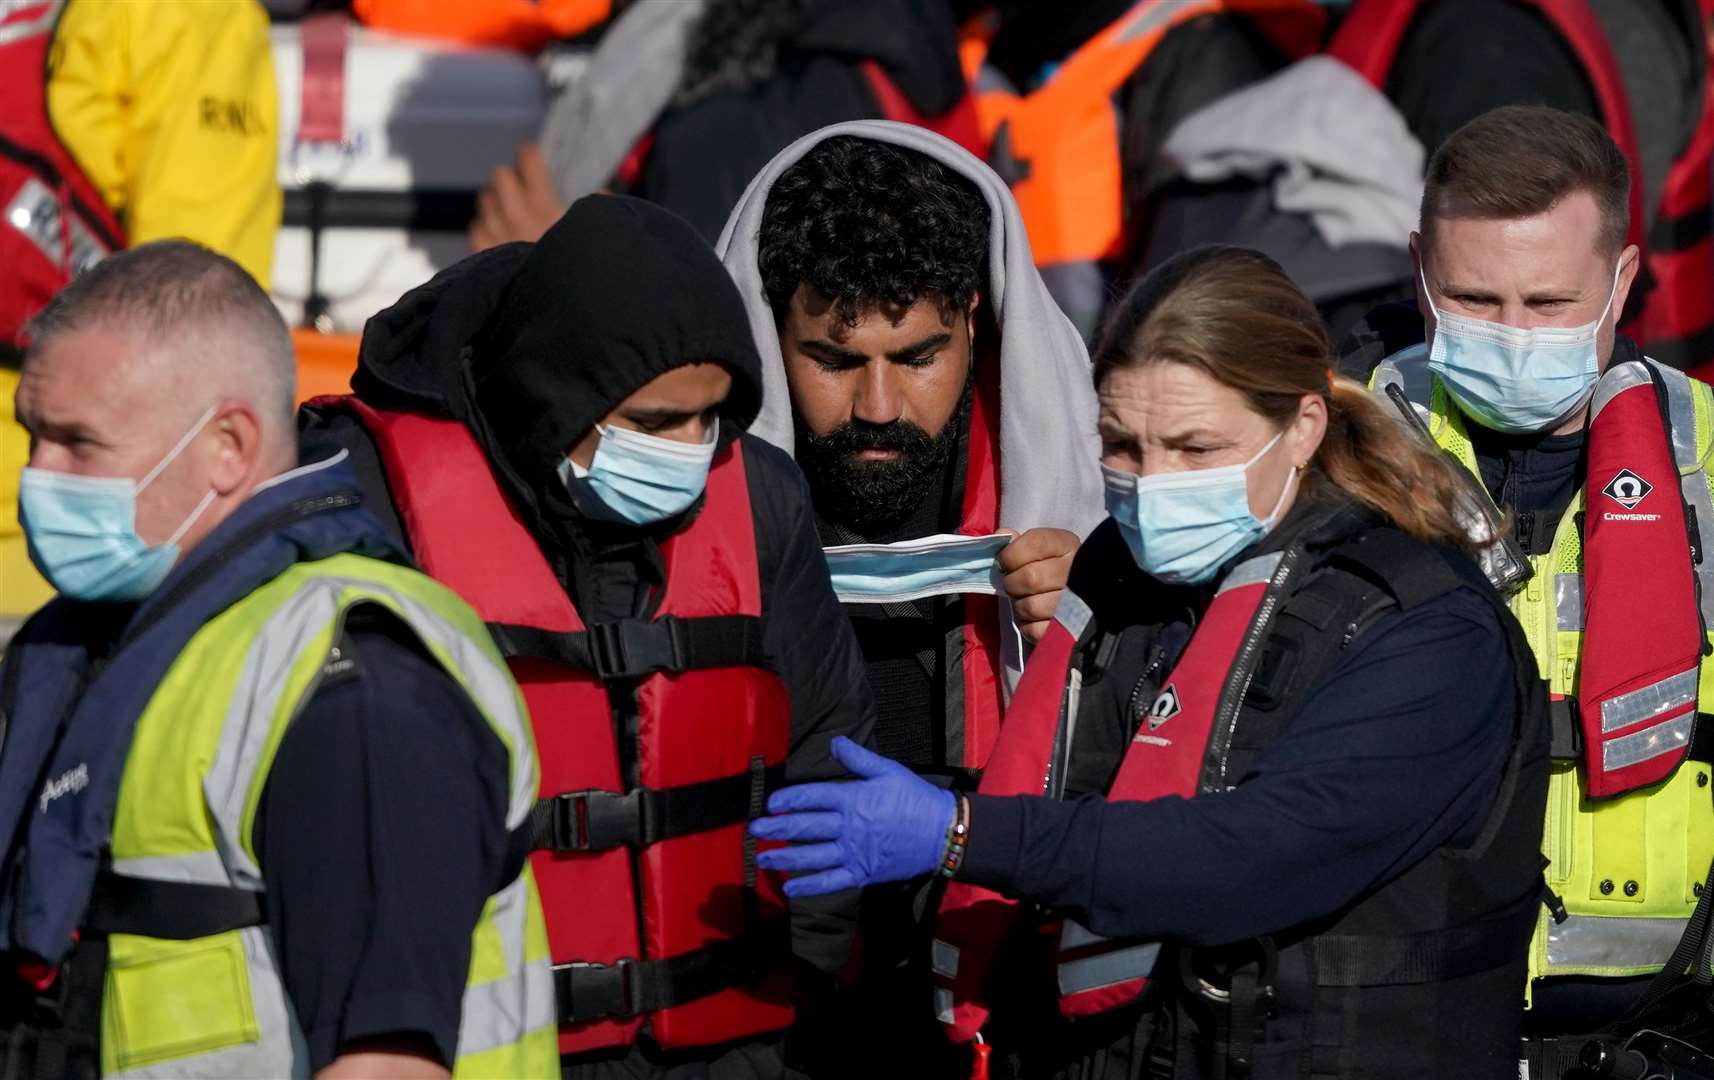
{"x": 869, "y": 497}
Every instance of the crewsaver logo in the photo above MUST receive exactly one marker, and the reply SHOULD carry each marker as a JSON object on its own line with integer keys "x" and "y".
{"x": 1627, "y": 489}
{"x": 1165, "y": 707}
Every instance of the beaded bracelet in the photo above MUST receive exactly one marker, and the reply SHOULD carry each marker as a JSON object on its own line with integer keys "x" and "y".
{"x": 956, "y": 836}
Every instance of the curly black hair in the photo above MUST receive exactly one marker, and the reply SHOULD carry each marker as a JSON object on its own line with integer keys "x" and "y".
{"x": 867, "y": 224}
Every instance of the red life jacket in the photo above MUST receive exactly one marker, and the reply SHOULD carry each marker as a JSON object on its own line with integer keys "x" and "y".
{"x": 1676, "y": 324}
{"x": 980, "y": 695}
{"x": 656, "y": 912}
{"x": 973, "y": 701}
{"x": 957, "y": 123}
{"x": 53, "y": 222}
{"x": 1094, "y": 973}
{"x": 1637, "y": 691}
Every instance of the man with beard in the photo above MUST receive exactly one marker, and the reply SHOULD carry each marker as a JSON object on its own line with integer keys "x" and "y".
{"x": 933, "y": 395}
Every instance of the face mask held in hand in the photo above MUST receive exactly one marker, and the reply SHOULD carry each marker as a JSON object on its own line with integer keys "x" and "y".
{"x": 1182, "y": 527}
{"x": 941, "y": 565}
{"x": 82, "y": 530}
{"x": 1511, "y": 380}
{"x": 640, "y": 479}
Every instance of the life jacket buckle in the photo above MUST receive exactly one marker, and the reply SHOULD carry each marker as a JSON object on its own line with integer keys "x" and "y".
{"x": 586, "y": 992}
{"x": 1207, "y": 973}
{"x": 596, "y": 820}
{"x": 35, "y": 994}
{"x": 633, "y": 648}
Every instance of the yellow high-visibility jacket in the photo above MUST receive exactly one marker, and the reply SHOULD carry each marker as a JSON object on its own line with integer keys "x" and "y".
{"x": 22, "y": 590}
{"x": 170, "y": 107}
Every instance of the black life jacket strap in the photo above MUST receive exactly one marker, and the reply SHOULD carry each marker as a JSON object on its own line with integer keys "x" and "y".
{"x": 55, "y": 1033}
{"x": 635, "y": 648}
{"x": 1565, "y": 739}
{"x": 174, "y": 910}
{"x": 1691, "y": 955}
{"x": 598, "y": 820}
{"x": 585, "y": 992}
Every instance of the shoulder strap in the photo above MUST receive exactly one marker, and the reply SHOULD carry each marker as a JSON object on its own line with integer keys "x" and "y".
{"x": 463, "y": 530}
{"x": 1412, "y": 572}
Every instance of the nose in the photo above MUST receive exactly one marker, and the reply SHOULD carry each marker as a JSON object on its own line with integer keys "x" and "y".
{"x": 48, "y": 456}
{"x": 1518, "y": 314}
{"x": 878, "y": 399}
{"x": 697, "y": 430}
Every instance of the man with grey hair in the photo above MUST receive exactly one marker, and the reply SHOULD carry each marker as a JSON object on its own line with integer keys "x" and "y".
{"x": 229, "y": 737}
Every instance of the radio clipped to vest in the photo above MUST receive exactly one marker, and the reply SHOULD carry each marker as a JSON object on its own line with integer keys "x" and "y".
{"x": 658, "y": 740}
{"x": 1503, "y": 560}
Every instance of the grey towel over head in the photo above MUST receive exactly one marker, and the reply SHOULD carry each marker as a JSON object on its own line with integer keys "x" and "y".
{"x": 1049, "y": 452}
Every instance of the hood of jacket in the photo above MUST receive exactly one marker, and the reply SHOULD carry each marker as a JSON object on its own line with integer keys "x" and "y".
{"x": 532, "y": 344}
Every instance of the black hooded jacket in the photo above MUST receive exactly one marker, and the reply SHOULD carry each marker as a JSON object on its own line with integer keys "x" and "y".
{"x": 530, "y": 346}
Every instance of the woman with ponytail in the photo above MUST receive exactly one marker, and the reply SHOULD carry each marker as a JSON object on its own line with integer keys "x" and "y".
{"x": 1268, "y": 800}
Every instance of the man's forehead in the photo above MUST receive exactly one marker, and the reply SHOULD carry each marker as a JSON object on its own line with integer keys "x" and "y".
{"x": 874, "y": 321}
{"x": 1563, "y": 241}
{"x": 85, "y": 370}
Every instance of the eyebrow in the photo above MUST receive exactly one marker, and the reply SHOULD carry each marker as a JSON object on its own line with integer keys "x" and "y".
{"x": 1488, "y": 296}
{"x": 664, "y": 415}
{"x": 927, "y": 344}
{"x": 57, "y": 430}
{"x": 1195, "y": 435}
{"x": 1468, "y": 292}
{"x": 829, "y": 351}
{"x": 1112, "y": 429}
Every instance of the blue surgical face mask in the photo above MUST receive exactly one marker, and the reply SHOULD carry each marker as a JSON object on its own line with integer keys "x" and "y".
{"x": 1182, "y": 527}
{"x": 1511, "y": 380}
{"x": 82, "y": 530}
{"x": 915, "y": 569}
{"x": 640, "y": 479}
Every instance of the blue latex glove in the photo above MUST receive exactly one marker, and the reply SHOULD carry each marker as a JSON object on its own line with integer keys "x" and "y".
{"x": 889, "y": 826}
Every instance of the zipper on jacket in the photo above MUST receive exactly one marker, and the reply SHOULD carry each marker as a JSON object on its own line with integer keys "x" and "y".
{"x": 1244, "y": 666}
